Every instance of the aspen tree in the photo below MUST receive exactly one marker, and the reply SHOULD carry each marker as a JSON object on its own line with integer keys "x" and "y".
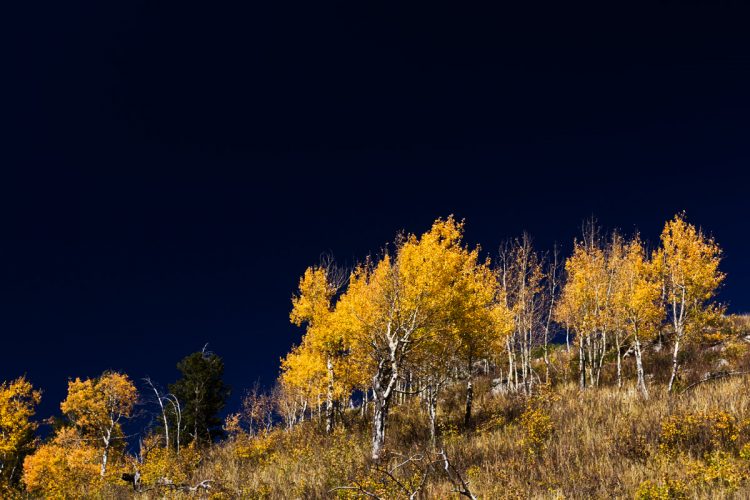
{"x": 585, "y": 306}
{"x": 638, "y": 299}
{"x": 18, "y": 400}
{"x": 314, "y": 307}
{"x": 551, "y": 290}
{"x": 303, "y": 373}
{"x": 521, "y": 277}
{"x": 688, "y": 262}
{"x": 481, "y": 319}
{"x": 615, "y": 256}
{"x": 97, "y": 406}
{"x": 398, "y": 304}
{"x": 434, "y": 372}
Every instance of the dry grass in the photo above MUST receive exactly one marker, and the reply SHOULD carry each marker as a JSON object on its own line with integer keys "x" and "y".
{"x": 605, "y": 445}
{"x": 602, "y": 443}
{"x": 561, "y": 443}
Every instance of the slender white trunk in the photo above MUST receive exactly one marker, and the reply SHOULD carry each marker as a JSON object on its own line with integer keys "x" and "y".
{"x": 364, "y": 403}
{"x": 678, "y": 315}
{"x": 511, "y": 368}
{"x": 590, "y": 359}
{"x": 602, "y": 352}
{"x": 329, "y": 396}
{"x": 639, "y": 369}
{"x": 619, "y": 361}
{"x": 581, "y": 364}
{"x": 303, "y": 410}
{"x": 160, "y": 400}
{"x": 104, "y": 461}
{"x": 431, "y": 391}
{"x": 674, "y": 362}
{"x": 107, "y": 438}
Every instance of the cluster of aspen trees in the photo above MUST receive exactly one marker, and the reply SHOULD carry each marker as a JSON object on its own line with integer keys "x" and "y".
{"x": 431, "y": 311}
{"x": 427, "y": 313}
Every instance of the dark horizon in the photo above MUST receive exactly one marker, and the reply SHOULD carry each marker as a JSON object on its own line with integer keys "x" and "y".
{"x": 172, "y": 170}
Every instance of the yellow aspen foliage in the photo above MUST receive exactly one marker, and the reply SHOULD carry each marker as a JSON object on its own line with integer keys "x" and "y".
{"x": 479, "y": 318}
{"x": 430, "y": 294}
{"x": 638, "y": 291}
{"x": 93, "y": 405}
{"x": 77, "y": 458}
{"x": 18, "y": 400}
{"x": 583, "y": 306}
{"x": 67, "y": 467}
{"x": 425, "y": 291}
{"x": 688, "y": 262}
{"x": 165, "y": 466}
{"x": 325, "y": 342}
{"x": 637, "y": 302}
{"x": 580, "y": 303}
{"x": 304, "y": 371}
{"x": 313, "y": 301}
{"x": 96, "y": 406}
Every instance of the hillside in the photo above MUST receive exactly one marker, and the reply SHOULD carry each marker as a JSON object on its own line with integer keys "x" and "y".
{"x": 559, "y": 443}
{"x": 431, "y": 371}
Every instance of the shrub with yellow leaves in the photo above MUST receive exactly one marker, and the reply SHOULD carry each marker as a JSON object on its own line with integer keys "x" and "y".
{"x": 669, "y": 490}
{"x": 722, "y": 469}
{"x": 255, "y": 449}
{"x": 67, "y": 467}
{"x": 161, "y": 465}
{"x": 537, "y": 427}
{"x": 698, "y": 432}
{"x": 536, "y": 423}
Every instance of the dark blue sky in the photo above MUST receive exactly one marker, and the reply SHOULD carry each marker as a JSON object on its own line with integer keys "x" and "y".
{"x": 170, "y": 169}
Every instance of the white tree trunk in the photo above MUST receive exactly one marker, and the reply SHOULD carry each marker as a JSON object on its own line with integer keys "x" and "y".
{"x": 639, "y": 369}
{"x": 619, "y": 361}
{"x": 329, "y": 396}
{"x": 107, "y": 438}
{"x": 674, "y": 362}
{"x": 431, "y": 392}
{"x": 581, "y": 364}
{"x": 378, "y": 426}
{"x": 383, "y": 384}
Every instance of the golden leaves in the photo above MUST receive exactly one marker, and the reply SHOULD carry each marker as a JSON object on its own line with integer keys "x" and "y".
{"x": 63, "y": 468}
{"x": 93, "y": 404}
{"x": 17, "y": 401}
{"x": 688, "y": 262}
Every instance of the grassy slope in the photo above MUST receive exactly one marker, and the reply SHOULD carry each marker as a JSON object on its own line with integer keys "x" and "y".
{"x": 561, "y": 443}
{"x": 603, "y": 443}
{"x": 564, "y": 443}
